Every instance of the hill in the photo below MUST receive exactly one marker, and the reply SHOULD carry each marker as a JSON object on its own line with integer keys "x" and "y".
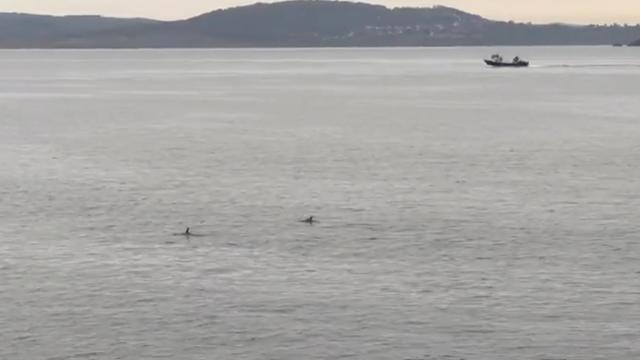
{"x": 26, "y": 30}
{"x": 304, "y": 23}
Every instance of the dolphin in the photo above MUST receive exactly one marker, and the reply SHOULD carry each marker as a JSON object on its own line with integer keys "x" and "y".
{"x": 187, "y": 233}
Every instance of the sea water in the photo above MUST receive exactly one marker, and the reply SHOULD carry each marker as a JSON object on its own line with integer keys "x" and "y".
{"x": 463, "y": 212}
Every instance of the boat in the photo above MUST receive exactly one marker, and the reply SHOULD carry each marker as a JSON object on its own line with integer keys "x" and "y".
{"x": 497, "y": 61}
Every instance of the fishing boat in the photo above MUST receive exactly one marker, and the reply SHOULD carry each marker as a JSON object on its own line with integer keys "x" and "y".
{"x": 497, "y": 61}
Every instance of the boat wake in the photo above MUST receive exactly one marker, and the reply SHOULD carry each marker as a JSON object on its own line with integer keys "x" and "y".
{"x": 586, "y": 66}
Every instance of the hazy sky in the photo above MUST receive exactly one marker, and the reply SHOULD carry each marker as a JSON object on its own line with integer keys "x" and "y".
{"x": 575, "y": 11}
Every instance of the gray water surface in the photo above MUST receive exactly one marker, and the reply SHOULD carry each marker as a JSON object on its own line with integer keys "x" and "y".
{"x": 464, "y": 212}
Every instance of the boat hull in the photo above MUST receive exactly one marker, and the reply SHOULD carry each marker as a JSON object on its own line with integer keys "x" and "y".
{"x": 504, "y": 64}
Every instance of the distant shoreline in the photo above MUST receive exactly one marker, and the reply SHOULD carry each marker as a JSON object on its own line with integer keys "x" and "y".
{"x": 302, "y": 24}
{"x": 313, "y": 47}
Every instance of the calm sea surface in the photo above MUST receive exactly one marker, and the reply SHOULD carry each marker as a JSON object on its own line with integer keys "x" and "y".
{"x": 463, "y": 212}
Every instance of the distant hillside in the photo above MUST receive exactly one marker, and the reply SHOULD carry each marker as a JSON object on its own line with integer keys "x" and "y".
{"x": 303, "y": 23}
{"x": 25, "y": 30}
{"x": 635, "y": 43}
{"x": 324, "y": 23}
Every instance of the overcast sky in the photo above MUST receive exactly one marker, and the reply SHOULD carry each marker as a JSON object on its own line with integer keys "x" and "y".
{"x": 573, "y": 11}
